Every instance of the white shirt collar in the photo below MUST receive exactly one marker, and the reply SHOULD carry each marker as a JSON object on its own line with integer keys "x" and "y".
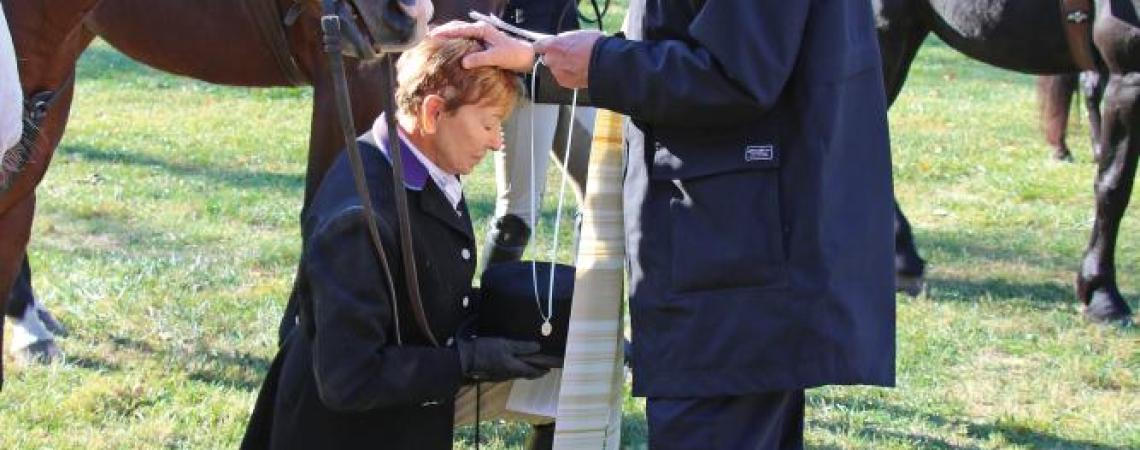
{"x": 447, "y": 182}
{"x": 450, "y": 185}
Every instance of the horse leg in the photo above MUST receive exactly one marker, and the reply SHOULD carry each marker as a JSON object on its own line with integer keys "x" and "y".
{"x": 1092, "y": 86}
{"x": 22, "y": 295}
{"x": 900, "y": 36}
{"x": 1096, "y": 283}
{"x": 23, "y": 300}
{"x": 17, "y": 225}
{"x": 1055, "y": 94}
{"x": 33, "y": 339}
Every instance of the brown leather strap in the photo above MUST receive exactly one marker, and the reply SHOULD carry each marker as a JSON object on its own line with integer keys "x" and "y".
{"x": 267, "y": 17}
{"x": 332, "y": 20}
{"x": 1077, "y": 15}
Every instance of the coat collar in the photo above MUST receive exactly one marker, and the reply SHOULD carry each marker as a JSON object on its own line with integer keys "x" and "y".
{"x": 432, "y": 200}
{"x": 415, "y": 174}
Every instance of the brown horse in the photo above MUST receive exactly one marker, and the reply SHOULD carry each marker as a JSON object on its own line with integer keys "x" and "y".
{"x": 1029, "y": 36}
{"x": 219, "y": 41}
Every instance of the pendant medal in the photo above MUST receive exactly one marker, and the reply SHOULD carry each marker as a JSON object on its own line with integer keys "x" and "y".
{"x": 547, "y": 329}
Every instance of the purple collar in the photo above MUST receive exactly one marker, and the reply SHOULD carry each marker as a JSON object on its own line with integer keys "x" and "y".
{"x": 415, "y": 174}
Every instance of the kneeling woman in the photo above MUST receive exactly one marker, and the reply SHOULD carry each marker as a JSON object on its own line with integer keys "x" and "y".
{"x": 342, "y": 379}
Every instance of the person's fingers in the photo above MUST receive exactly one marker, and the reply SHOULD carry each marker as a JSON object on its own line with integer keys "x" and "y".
{"x": 565, "y": 78}
{"x": 543, "y": 45}
{"x": 478, "y": 59}
{"x": 461, "y": 29}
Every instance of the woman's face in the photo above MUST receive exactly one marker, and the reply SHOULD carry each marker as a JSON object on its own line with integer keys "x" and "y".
{"x": 464, "y": 136}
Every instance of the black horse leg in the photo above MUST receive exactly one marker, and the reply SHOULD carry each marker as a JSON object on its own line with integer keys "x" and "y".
{"x": 1096, "y": 283}
{"x": 23, "y": 299}
{"x": 1092, "y": 86}
{"x": 900, "y": 36}
{"x": 909, "y": 267}
{"x": 1055, "y": 94}
{"x": 22, "y": 295}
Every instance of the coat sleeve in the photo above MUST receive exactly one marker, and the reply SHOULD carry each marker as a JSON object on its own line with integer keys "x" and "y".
{"x": 356, "y": 366}
{"x": 734, "y": 68}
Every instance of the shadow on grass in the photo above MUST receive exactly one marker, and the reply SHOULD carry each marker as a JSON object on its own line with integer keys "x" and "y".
{"x": 1044, "y": 296}
{"x": 1022, "y": 435}
{"x": 97, "y": 365}
{"x": 985, "y": 432}
{"x": 235, "y": 370}
{"x": 243, "y": 371}
{"x": 92, "y": 234}
{"x": 242, "y": 179}
{"x": 132, "y": 344}
{"x": 1000, "y": 249}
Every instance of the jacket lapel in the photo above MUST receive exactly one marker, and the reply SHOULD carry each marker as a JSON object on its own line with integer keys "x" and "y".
{"x": 434, "y": 203}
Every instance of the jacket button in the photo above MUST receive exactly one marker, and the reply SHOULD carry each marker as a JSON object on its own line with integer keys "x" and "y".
{"x": 466, "y": 301}
{"x": 466, "y": 254}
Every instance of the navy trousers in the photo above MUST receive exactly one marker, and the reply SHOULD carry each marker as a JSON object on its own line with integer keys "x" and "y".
{"x": 755, "y": 422}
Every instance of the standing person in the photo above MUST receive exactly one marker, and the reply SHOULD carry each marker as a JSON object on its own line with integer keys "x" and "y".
{"x": 758, "y": 210}
{"x": 357, "y": 372}
{"x": 517, "y": 195}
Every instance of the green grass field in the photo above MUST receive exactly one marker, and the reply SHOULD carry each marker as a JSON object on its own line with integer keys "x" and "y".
{"x": 167, "y": 239}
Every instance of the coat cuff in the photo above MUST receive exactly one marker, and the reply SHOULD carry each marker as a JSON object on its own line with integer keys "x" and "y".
{"x": 606, "y": 73}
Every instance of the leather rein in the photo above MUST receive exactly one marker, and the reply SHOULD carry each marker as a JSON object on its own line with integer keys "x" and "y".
{"x": 336, "y": 24}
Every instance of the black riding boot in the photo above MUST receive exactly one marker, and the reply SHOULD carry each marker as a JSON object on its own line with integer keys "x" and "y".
{"x": 541, "y": 437}
{"x": 506, "y": 240}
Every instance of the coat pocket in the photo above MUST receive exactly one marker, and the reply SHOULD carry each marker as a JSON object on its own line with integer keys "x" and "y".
{"x": 724, "y": 206}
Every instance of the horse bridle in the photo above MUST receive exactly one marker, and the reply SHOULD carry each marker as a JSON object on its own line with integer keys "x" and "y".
{"x": 389, "y": 29}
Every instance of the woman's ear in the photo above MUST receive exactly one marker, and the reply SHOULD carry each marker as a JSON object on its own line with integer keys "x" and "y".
{"x": 430, "y": 111}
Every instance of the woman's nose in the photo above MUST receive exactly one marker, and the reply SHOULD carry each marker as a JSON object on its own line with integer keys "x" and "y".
{"x": 497, "y": 142}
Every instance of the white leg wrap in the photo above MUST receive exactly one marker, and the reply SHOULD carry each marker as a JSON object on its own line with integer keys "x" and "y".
{"x": 29, "y": 330}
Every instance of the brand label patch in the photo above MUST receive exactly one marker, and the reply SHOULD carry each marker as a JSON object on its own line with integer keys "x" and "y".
{"x": 759, "y": 153}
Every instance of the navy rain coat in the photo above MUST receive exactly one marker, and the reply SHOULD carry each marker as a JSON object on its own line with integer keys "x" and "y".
{"x": 759, "y": 209}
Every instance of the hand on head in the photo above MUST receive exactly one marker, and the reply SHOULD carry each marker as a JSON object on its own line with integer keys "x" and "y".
{"x": 567, "y": 54}
{"x": 502, "y": 50}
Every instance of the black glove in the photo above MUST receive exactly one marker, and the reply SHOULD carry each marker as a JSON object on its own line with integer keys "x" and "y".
{"x": 497, "y": 359}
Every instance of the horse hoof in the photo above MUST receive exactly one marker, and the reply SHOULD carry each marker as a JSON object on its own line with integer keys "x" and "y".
{"x": 910, "y": 285}
{"x": 1063, "y": 156}
{"x": 1107, "y": 309}
{"x": 39, "y": 352}
{"x": 51, "y": 323}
